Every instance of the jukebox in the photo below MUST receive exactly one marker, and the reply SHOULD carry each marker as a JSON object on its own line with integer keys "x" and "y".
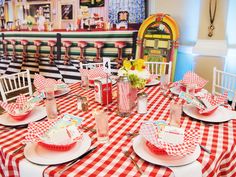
{"x": 158, "y": 40}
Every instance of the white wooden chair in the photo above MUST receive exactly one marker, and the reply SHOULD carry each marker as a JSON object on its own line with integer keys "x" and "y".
{"x": 90, "y": 65}
{"x": 159, "y": 68}
{"x": 14, "y": 84}
{"x": 224, "y": 82}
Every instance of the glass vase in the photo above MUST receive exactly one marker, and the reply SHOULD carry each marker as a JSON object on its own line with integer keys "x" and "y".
{"x": 127, "y": 96}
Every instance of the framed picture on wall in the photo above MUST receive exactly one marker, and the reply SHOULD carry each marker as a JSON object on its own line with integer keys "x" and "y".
{"x": 67, "y": 12}
{"x": 92, "y": 3}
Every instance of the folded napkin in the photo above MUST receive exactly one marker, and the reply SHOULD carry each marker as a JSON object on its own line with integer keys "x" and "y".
{"x": 41, "y": 83}
{"x": 195, "y": 169}
{"x": 205, "y": 103}
{"x": 193, "y": 78}
{"x": 93, "y": 73}
{"x": 173, "y": 140}
{"x": 61, "y": 131}
{"x": 20, "y": 106}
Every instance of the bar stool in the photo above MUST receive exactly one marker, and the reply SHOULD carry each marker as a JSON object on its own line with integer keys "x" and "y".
{"x": 98, "y": 45}
{"x": 82, "y": 45}
{"x": 4, "y": 45}
{"x": 120, "y": 45}
{"x": 37, "y": 43}
{"x": 13, "y": 43}
{"x": 24, "y": 53}
{"x": 67, "y": 45}
{"x": 52, "y": 45}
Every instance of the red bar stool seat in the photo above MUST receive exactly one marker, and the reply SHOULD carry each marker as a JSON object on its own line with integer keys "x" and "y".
{"x": 24, "y": 53}
{"x": 52, "y": 45}
{"x": 67, "y": 45}
{"x": 98, "y": 45}
{"x": 120, "y": 45}
{"x": 13, "y": 43}
{"x": 5, "y": 42}
{"x": 82, "y": 45}
{"x": 37, "y": 43}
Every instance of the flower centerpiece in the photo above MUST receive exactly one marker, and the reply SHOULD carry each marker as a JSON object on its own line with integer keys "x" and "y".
{"x": 136, "y": 72}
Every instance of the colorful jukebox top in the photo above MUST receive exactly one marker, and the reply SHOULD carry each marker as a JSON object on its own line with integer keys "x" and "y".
{"x": 158, "y": 40}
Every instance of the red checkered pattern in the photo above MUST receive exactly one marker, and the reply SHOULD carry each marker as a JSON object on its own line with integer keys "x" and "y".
{"x": 109, "y": 159}
{"x": 150, "y": 132}
{"x": 36, "y": 130}
{"x": 11, "y": 107}
{"x": 213, "y": 102}
{"x": 93, "y": 73}
{"x": 21, "y": 100}
{"x": 41, "y": 83}
{"x": 192, "y": 78}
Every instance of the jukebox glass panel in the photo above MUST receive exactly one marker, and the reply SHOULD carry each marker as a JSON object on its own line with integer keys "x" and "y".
{"x": 157, "y": 42}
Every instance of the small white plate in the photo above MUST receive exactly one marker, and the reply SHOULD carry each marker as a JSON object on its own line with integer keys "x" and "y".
{"x": 37, "y": 113}
{"x": 140, "y": 148}
{"x": 222, "y": 114}
{"x": 39, "y": 155}
{"x": 62, "y": 92}
{"x": 153, "y": 82}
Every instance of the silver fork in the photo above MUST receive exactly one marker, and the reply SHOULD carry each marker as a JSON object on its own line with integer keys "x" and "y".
{"x": 127, "y": 154}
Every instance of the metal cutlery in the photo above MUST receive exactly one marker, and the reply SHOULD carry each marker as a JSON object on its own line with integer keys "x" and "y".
{"x": 127, "y": 154}
{"x": 205, "y": 149}
{"x": 89, "y": 129}
{"x": 18, "y": 149}
{"x": 68, "y": 165}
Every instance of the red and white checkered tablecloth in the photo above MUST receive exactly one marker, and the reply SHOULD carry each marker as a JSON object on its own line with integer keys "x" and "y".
{"x": 109, "y": 160}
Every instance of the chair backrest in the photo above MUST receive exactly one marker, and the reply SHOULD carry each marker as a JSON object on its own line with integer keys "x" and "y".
{"x": 222, "y": 82}
{"x": 114, "y": 70}
{"x": 159, "y": 68}
{"x": 90, "y": 65}
{"x": 14, "y": 84}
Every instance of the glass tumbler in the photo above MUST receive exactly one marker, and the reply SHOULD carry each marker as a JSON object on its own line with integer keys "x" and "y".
{"x": 164, "y": 83}
{"x": 175, "y": 113}
{"x": 101, "y": 119}
{"x": 51, "y": 105}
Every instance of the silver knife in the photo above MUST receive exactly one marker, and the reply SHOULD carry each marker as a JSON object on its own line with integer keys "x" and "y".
{"x": 78, "y": 158}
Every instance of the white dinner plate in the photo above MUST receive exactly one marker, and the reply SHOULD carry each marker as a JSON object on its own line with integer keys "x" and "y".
{"x": 140, "y": 148}
{"x": 62, "y": 92}
{"x": 222, "y": 114}
{"x": 42, "y": 156}
{"x": 153, "y": 82}
{"x": 37, "y": 113}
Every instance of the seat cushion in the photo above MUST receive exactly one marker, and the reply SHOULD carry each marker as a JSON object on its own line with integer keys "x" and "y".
{"x": 67, "y": 43}
{"x": 37, "y": 42}
{"x": 24, "y": 42}
{"x": 120, "y": 44}
{"x": 82, "y": 44}
{"x": 13, "y": 42}
{"x": 98, "y": 44}
{"x": 51, "y": 43}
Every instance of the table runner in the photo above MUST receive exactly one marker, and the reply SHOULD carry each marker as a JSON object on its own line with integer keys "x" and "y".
{"x": 109, "y": 160}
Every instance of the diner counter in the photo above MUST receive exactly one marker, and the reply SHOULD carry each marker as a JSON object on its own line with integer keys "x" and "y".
{"x": 109, "y": 37}
{"x": 109, "y": 159}
{"x": 58, "y": 70}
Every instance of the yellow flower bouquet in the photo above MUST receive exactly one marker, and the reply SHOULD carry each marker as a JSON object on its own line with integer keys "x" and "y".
{"x": 136, "y": 72}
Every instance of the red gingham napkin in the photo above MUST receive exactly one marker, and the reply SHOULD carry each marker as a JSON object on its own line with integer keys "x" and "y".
{"x": 41, "y": 83}
{"x": 191, "y": 137}
{"x": 36, "y": 130}
{"x": 94, "y": 73}
{"x": 11, "y": 107}
{"x": 193, "y": 78}
{"x": 212, "y": 102}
